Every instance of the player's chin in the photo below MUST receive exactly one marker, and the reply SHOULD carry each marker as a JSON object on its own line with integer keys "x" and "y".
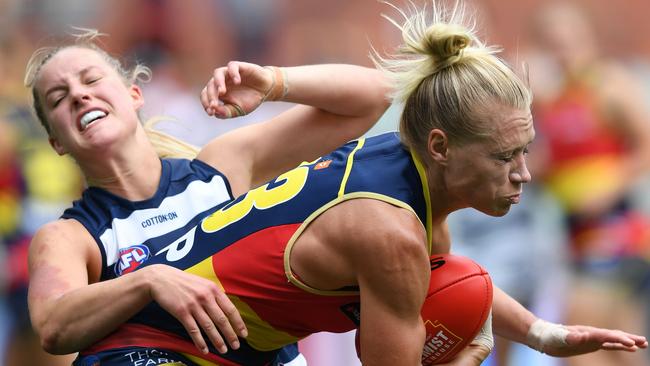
{"x": 499, "y": 209}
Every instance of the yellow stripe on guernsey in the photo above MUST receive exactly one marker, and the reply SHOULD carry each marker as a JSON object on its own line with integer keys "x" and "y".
{"x": 342, "y": 196}
{"x": 348, "y": 166}
{"x": 261, "y": 335}
{"x": 348, "y": 196}
{"x": 427, "y": 198}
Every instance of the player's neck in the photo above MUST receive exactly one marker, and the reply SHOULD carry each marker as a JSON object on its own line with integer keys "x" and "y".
{"x": 134, "y": 177}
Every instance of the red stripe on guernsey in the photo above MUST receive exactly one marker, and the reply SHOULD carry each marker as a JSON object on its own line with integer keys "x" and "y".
{"x": 137, "y": 335}
{"x": 253, "y": 270}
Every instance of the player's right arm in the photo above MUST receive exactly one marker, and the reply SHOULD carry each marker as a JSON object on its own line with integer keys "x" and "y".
{"x": 382, "y": 249}
{"x": 386, "y": 248}
{"x": 70, "y": 310}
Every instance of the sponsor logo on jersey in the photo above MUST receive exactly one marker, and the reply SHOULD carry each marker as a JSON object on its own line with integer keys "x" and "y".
{"x": 131, "y": 258}
{"x": 158, "y": 219}
{"x": 322, "y": 165}
{"x": 438, "y": 343}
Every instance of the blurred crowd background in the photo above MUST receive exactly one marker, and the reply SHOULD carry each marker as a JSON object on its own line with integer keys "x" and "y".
{"x": 576, "y": 250}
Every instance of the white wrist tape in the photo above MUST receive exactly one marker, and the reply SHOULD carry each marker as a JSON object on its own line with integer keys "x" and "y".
{"x": 484, "y": 336}
{"x": 543, "y": 334}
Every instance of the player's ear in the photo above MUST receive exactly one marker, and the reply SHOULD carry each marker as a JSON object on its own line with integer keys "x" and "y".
{"x": 56, "y": 145}
{"x": 136, "y": 95}
{"x": 437, "y": 146}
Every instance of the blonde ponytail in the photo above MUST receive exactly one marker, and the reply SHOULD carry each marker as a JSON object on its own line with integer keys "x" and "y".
{"x": 446, "y": 76}
{"x": 168, "y": 146}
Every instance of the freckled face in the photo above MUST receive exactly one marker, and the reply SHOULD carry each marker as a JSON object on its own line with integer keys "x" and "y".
{"x": 76, "y": 81}
{"x": 488, "y": 175}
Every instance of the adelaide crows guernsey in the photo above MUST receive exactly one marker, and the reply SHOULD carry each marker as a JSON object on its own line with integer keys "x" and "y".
{"x": 245, "y": 245}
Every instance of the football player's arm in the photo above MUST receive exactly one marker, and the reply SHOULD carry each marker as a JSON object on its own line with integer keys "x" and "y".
{"x": 70, "y": 310}
{"x": 514, "y": 322}
{"x": 393, "y": 275}
{"x": 337, "y": 103}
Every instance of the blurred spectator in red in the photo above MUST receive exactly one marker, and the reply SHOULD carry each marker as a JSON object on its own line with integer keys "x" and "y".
{"x": 593, "y": 146}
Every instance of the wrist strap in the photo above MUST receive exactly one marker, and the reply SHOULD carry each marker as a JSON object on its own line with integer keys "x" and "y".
{"x": 279, "y": 86}
{"x": 485, "y": 336}
{"x": 543, "y": 334}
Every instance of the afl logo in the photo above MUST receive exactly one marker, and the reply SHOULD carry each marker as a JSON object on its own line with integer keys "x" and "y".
{"x": 131, "y": 258}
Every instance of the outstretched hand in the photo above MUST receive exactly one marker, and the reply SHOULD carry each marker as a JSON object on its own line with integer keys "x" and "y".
{"x": 563, "y": 341}
{"x": 236, "y": 89}
{"x": 585, "y": 339}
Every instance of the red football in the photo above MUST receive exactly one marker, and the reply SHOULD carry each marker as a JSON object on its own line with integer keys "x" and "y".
{"x": 457, "y": 305}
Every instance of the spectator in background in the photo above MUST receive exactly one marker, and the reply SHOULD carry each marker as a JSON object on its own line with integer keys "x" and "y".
{"x": 593, "y": 146}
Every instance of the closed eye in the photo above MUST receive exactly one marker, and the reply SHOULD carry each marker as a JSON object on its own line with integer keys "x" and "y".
{"x": 92, "y": 80}
{"x": 57, "y": 100}
{"x": 511, "y": 156}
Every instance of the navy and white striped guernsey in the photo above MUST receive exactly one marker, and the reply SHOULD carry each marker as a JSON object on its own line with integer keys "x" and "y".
{"x": 129, "y": 232}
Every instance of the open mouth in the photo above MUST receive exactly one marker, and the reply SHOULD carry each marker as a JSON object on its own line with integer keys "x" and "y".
{"x": 89, "y": 117}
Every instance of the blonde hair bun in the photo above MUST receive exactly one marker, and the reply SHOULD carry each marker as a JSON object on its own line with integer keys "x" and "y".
{"x": 432, "y": 40}
{"x": 446, "y": 77}
{"x": 446, "y": 42}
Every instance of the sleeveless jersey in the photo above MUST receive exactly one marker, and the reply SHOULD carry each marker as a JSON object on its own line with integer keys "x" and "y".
{"x": 128, "y": 232}
{"x": 244, "y": 246}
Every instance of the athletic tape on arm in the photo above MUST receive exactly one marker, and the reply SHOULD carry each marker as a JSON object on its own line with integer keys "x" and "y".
{"x": 543, "y": 334}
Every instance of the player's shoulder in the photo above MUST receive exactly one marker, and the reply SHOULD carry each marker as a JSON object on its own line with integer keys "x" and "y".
{"x": 380, "y": 227}
{"x": 62, "y": 232}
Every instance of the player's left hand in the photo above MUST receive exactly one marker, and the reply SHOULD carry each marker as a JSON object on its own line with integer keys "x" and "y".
{"x": 585, "y": 339}
{"x": 563, "y": 341}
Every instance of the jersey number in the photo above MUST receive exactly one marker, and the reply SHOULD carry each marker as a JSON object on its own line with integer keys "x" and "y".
{"x": 280, "y": 190}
